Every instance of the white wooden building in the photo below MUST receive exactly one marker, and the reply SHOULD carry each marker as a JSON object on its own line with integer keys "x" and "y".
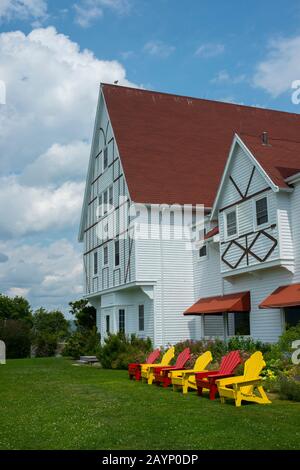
{"x": 255, "y": 247}
{"x": 151, "y": 149}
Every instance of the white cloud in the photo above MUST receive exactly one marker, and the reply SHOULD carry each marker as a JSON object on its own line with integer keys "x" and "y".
{"x": 58, "y": 164}
{"x": 17, "y": 291}
{"x": 48, "y": 275}
{"x": 28, "y": 209}
{"x": 52, "y": 89}
{"x": 23, "y": 9}
{"x": 88, "y": 11}
{"x": 224, "y": 77}
{"x": 210, "y": 50}
{"x": 281, "y": 67}
{"x": 159, "y": 49}
{"x": 45, "y": 131}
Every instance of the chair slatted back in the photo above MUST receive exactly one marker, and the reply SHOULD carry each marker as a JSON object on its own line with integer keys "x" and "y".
{"x": 230, "y": 362}
{"x": 153, "y": 356}
{"x": 252, "y": 369}
{"x": 182, "y": 358}
{"x": 168, "y": 356}
{"x": 202, "y": 361}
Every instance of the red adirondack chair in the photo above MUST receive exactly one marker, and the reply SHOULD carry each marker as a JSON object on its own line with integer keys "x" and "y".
{"x": 161, "y": 373}
{"x": 134, "y": 369}
{"x": 208, "y": 379}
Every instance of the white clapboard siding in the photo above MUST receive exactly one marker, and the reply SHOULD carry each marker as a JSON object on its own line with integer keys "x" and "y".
{"x": 240, "y": 169}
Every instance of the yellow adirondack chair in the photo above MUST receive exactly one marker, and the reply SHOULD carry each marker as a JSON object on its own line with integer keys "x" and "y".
{"x": 148, "y": 369}
{"x": 185, "y": 379}
{"x": 246, "y": 387}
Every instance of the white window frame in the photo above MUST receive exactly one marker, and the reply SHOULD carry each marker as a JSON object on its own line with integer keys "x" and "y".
{"x": 103, "y": 258}
{"x": 266, "y": 224}
{"x": 227, "y": 211}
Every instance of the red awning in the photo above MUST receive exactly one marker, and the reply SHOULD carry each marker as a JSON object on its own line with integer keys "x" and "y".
{"x": 230, "y": 303}
{"x": 284, "y": 296}
{"x": 211, "y": 233}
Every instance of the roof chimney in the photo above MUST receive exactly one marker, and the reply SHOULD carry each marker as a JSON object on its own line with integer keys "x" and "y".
{"x": 264, "y": 138}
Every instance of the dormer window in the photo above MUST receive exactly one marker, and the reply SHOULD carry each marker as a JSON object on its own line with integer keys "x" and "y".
{"x": 261, "y": 206}
{"x": 231, "y": 223}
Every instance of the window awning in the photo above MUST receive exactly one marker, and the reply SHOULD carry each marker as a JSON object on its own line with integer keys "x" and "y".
{"x": 211, "y": 233}
{"x": 230, "y": 303}
{"x": 284, "y": 296}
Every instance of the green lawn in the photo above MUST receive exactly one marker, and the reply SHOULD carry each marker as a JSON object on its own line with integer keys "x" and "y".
{"x": 50, "y": 404}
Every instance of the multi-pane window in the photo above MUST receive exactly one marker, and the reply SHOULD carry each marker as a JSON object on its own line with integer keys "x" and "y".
{"x": 117, "y": 253}
{"x": 261, "y": 211}
{"x": 203, "y": 251}
{"x": 106, "y": 200}
{"x": 95, "y": 262}
{"x": 107, "y": 324}
{"x": 122, "y": 320}
{"x": 141, "y": 317}
{"x": 105, "y": 255}
{"x": 105, "y": 158}
{"x": 231, "y": 223}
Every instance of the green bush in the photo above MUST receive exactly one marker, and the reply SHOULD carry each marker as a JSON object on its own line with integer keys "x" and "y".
{"x": 83, "y": 342}
{"x": 119, "y": 350}
{"x": 247, "y": 344}
{"x": 44, "y": 345}
{"x": 16, "y": 335}
{"x": 286, "y": 339}
{"x": 289, "y": 388}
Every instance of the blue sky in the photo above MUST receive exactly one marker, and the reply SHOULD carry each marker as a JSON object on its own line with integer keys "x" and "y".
{"x": 54, "y": 53}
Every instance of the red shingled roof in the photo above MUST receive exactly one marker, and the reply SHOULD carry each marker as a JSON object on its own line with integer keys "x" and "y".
{"x": 280, "y": 158}
{"x": 174, "y": 148}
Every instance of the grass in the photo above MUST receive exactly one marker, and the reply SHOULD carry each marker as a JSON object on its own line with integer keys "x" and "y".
{"x": 50, "y": 404}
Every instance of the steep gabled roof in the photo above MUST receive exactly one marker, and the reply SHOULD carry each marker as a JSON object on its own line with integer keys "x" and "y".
{"x": 280, "y": 158}
{"x": 174, "y": 148}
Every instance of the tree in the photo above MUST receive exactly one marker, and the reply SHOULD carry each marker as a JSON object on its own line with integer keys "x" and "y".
{"x": 85, "y": 314}
{"x": 15, "y": 324}
{"x": 86, "y": 339}
{"x": 16, "y": 308}
{"x": 16, "y": 335}
{"x": 48, "y": 329}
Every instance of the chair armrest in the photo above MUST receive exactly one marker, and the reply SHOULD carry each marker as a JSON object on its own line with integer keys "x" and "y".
{"x": 187, "y": 373}
{"x": 203, "y": 374}
{"x": 219, "y": 376}
{"x": 237, "y": 380}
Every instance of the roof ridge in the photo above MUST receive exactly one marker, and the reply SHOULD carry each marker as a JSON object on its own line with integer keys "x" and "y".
{"x": 226, "y": 103}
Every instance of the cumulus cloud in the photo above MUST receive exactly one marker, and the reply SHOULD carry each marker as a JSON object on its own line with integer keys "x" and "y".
{"x": 158, "y": 49}
{"x": 209, "y": 50}
{"x": 3, "y": 258}
{"x": 58, "y": 164}
{"x": 281, "y": 67}
{"x": 47, "y": 275}
{"x": 88, "y": 11}
{"x": 23, "y": 9}
{"x": 28, "y": 209}
{"x": 45, "y": 131}
{"x": 52, "y": 89}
